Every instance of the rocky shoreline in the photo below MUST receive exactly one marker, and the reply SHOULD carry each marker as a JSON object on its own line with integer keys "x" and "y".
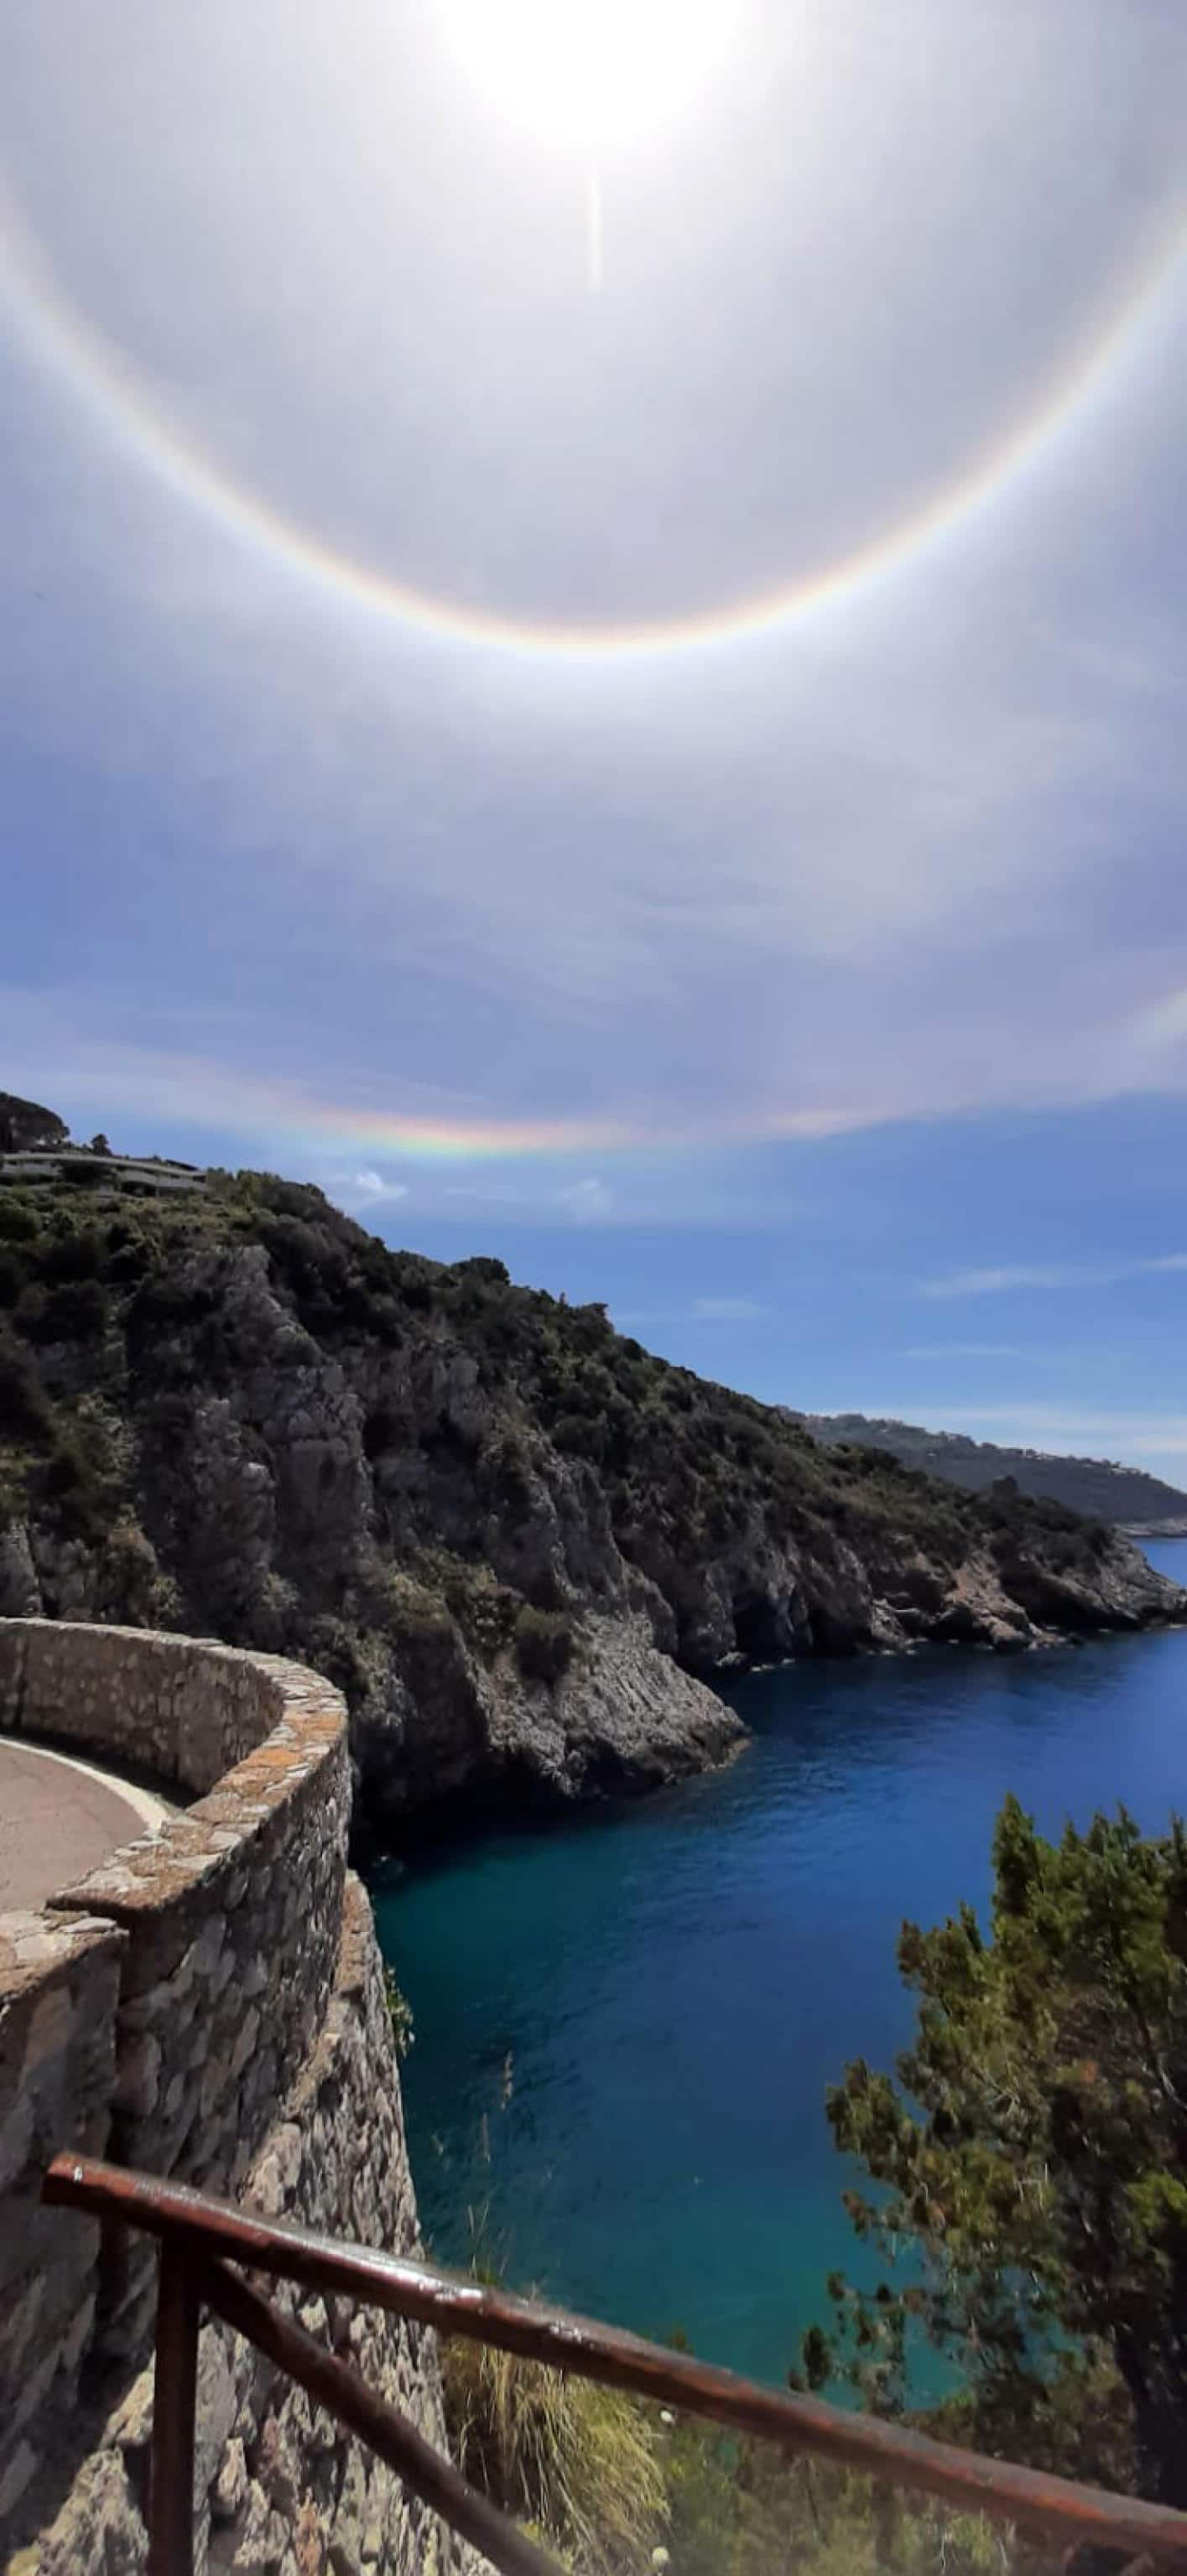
{"x": 521, "y": 1545}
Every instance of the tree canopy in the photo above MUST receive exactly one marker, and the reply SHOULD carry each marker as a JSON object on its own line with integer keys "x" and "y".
{"x": 1032, "y": 2164}
{"x": 25, "y": 1125}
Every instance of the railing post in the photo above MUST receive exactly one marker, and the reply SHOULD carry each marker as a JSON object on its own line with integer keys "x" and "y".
{"x": 171, "y": 2483}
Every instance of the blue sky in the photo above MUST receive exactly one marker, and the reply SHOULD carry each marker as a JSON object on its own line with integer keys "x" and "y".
{"x": 669, "y": 767}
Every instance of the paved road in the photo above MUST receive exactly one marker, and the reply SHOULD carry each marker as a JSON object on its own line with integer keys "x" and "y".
{"x": 57, "y": 1819}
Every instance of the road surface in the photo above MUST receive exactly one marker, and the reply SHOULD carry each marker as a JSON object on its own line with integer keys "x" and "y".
{"x": 58, "y": 1818}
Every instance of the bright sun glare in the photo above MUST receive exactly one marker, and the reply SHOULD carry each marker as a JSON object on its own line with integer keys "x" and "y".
{"x": 589, "y": 72}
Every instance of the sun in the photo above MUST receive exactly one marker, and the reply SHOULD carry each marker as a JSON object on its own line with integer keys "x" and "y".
{"x": 590, "y": 72}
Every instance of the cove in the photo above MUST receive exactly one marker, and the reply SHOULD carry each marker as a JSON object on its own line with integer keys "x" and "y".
{"x": 625, "y": 2025}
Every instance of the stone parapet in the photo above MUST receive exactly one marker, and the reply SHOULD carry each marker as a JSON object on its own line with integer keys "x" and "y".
{"x": 206, "y": 2005}
{"x": 185, "y": 1709}
{"x": 59, "y": 1986}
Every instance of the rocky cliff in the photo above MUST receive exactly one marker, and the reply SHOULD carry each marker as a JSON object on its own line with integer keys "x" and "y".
{"x": 519, "y": 1543}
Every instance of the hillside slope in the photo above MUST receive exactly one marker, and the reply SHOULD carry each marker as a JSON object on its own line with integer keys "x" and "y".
{"x": 1123, "y": 1495}
{"x": 515, "y": 1539}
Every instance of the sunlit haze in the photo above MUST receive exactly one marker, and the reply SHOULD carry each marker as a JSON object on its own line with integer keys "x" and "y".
{"x": 592, "y": 72}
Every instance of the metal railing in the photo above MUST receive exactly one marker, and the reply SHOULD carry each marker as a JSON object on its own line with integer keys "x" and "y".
{"x": 204, "y": 2240}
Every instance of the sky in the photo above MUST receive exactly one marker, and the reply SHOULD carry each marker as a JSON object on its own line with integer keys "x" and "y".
{"x": 594, "y": 657}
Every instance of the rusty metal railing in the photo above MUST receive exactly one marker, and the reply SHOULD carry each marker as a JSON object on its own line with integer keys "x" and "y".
{"x": 203, "y": 2240}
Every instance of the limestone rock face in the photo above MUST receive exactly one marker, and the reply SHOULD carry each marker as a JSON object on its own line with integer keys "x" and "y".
{"x": 521, "y": 1545}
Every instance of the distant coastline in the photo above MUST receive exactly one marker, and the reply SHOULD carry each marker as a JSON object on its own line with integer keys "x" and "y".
{"x": 1131, "y": 1500}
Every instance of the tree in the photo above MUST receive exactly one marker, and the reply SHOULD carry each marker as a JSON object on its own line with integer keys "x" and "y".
{"x": 1033, "y": 2165}
{"x": 26, "y": 1127}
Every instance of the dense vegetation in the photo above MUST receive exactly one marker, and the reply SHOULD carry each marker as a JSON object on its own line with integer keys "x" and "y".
{"x": 96, "y": 1291}
{"x": 1031, "y": 2164}
{"x": 1093, "y": 1485}
{"x": 617, "y": 2487}
{"x": 497, "y": 1524}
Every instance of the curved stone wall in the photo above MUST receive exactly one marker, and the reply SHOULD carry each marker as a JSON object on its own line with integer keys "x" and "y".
{"x": 207, "y": 2004}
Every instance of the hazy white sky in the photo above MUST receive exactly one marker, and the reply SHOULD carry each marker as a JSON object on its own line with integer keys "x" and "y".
{"x": 830, "y": 948}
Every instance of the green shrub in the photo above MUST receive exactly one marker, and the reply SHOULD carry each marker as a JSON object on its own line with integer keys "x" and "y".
{"x": 74, "y": 1312}
{"x": 413, "y": 1280}
{"x": 162, "y": 1305}
{"x": 128, "y": 1262}
{"x": 580, "y": 2463}
{"x": 18, "y": 1221}
{"x": 266, "y": 1190}
{"x": 24, "y": 1412}
{"x": 385, "y": 1429}
{"x": 415, "y": 1615}
{"x": 77, "y": 1254}
{"x": 543, "y": 1643}
{"x": 588, "y": 1328}
{"x": 577, "y": 1436}
{"x": 742, "y": 2508}
{"x": 311, "y": 1265}
{"x": 482, "y": 1272}
{"x": 399, "y": 2013}
{"x": 77, "y": 1485}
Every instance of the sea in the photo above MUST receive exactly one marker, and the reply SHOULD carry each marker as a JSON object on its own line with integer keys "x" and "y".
{"x": 625, "y": 2025}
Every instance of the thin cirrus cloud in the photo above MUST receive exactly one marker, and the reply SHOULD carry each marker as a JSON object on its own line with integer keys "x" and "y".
{"x": 727, "y": 1310}
{"x": 1010, "y": 1276}
{"x": 697, "y": 1310}
{"x": 962, "y": 1351}
{"x": 599, "y": 883}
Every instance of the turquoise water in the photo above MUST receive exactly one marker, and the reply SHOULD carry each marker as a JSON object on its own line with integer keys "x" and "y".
{"x": 624, "y": 2028}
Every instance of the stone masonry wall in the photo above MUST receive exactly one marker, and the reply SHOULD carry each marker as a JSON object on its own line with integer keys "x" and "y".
{"x": 59, "y": 1985}
{"x": 207, "y": 2004}
{"x": 184, "y": 1709}
{"x": 280, "y": 2491}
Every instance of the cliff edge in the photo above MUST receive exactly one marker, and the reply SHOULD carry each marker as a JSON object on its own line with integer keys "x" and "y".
{"x": 519, "y": 1543}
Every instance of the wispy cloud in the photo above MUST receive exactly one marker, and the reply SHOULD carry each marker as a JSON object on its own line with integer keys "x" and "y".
{"x": 996, "y": 1282}
{"x": 693, "y": 1310}
{"x": 727, "y": 1310}
{"x": 587, "y": 1202}
{"x": 962, "y": 1351}
{"x": 357, "y": 1191}
{"x": 1008, "y": 1276}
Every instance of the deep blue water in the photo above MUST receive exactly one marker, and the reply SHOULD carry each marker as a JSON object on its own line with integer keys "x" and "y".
{"x": 624, "y": 2028}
